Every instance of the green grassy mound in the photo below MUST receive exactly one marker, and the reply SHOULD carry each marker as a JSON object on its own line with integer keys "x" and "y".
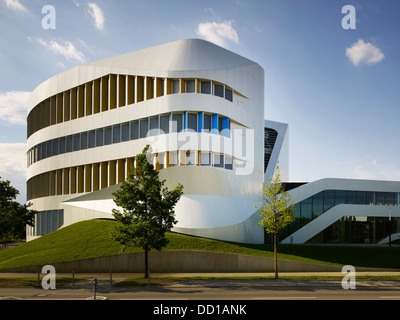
{"x": 91, "y": 238}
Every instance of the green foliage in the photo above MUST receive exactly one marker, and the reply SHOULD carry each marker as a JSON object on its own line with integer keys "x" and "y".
{"x": 278, "y": 209}
{"x": 13, "y": 216}
{"x": 148, "y": 207}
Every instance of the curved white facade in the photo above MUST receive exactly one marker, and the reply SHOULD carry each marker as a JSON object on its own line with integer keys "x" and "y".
{"x": 199, "y": 106}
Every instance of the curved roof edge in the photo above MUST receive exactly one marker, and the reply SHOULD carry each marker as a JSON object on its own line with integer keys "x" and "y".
{"x": 178, "y": 56}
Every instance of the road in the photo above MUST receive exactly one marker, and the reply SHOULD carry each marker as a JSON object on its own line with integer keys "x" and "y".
{"x": 264, "y": 289}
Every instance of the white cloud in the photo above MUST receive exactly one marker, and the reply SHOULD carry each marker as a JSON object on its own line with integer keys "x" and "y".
{"x": 68, "y": 50}
{"x": 13, "y": 107}
{"x": 12, "y": 159}
{"x": 375, "y": 171}
{"x": 362, "y": 52}
{"x": 218, "y": 33}
{"x": 97, "y": 14}
{"x": 15, "y": 5}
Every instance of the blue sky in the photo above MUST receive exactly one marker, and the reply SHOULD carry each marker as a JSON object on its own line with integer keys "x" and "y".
{"x": 338, "y": 89}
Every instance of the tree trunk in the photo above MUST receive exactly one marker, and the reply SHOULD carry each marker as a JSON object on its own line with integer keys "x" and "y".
{"x": 276, "y": 255}
{"x": 146, "y": 264}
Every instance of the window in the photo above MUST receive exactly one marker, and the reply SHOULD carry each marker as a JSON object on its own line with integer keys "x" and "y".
{"x": 340, "y": 197}
{"x": 173, "y": 158}
{"x": 190, "y": 86}
{"x": 175, "y": 86}
{"x": 117, "y": 133}
{"x": 69, "y": 144}
{"x": 49, "y": 148}
{"x": 228, "y": 163}
{"x": 306, "y": 209}
{"x": 361, "y": 197}
{"x": 229, "y": 94}
{"x": 318, "y": 201}
{"x": 218, "y": 160}
{"x": 62, "y": 145}
{"x": 92, "y": 139}
{"x": 161, "y": 160}
{"x": 190, "y": 158}
{"x": 99, "y": 137}
{"x": 205, "y": 159}
{"x": 84, "y": 140}
{"x": 77, "y": 142}
{"x": 207, "y": 123}
{"x": 107, "y": 135}
{"x": 125, "y": 132}
{"x": 350, "y": 197}
{"x": 154, "y": 127}
{"x": 134, "y": 130}
{"x": 176, "y": 122}
{"x": 329, "y": 199}
{"x": 55, "y": 147}
{"x": 205, "y": 87}
{"x": 219, "y": 90}
{"x": 144, "y": 127}
{"x": 164, "y": 124}
{"x": 192, "y": 122}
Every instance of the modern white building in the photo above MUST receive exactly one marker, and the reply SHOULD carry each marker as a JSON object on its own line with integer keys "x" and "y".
{"x": 201, "y": 108}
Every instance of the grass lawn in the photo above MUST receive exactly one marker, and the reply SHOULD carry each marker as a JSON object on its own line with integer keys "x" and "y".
{"x": 90, "y": 239}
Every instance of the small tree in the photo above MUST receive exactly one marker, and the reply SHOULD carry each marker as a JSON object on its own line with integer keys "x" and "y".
{"x": 148, "y": 209}
{"x": 13, "y": 216}
{"x": 277, "y": 211}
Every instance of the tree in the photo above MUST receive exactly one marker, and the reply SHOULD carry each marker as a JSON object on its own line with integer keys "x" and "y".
{"x": 13, "y": 216}
{"x": 276, "y": 212}
{"x": 148, "y": 209}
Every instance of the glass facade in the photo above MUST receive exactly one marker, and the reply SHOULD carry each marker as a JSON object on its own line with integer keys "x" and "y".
{"x": 349, "y": 229}
{"x": 46, "y": 222}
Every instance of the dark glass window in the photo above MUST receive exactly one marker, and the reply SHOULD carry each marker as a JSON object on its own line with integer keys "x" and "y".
{"x": 99, "y": 137}
{"x": 164, "y": 124}
{"x": 134, "y": 130}
{"x": 62, "y": 145}
{"x": 84, "y": 140}
{"x": 77, "y": 142}
{"x": 318, "y": 204}
{"x": 190, "y": 86}
{"x": 192, "y": 121}
{"x": 125, "y": 132}
{"x": 228, "y": 163}
{"x": 144, "y": 127}
{"x": 229, "y": 94}
{"x": 370, "y": 197}
{"x": 380, "y": 198}
{"x": 306, "y": 209}
{"x": 117, "y": 133}
{"x": 218, "y": 160}
{"x": 219, "y": 90}
{"x": 350, "y": 197}
{"x": 390, "y": 198}
{"x": 49, "y": 148}
{"x": 107, "y": 135}
{"x": 205, "y": 87}
{"x": 55, "y": 147}
{"x": 361, "y": 197}
{"x": 69, "y": 144}
{"x": 329, "y": 199}
{"x": 154, "y": 127}
{"x": 176, "y": 122}
{"x": 207, "y": 123}
{"x": 92, "y": 139}
{"x": 340, "y": 197}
